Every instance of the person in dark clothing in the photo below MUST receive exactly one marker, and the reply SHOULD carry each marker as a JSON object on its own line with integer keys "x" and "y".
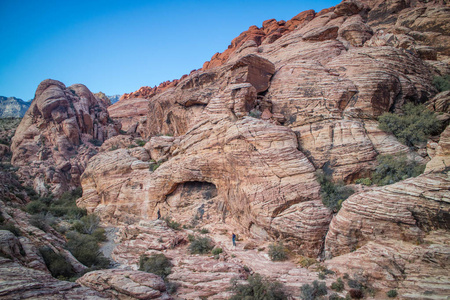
{"x": 233, "y": 238}
{"x": 159, "y": 214}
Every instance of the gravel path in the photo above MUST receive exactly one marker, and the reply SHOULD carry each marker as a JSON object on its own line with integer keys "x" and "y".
{"x": 109, "y": 245}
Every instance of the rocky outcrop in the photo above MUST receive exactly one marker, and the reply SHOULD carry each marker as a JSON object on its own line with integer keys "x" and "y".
{"x": 123, "y": 284}
{"x": 12, "y": 107}
{"x": 415, "y": 270}
{"x": 252, "y": 168}
{"x": 58, "y": 135}
{"x": 19, "y": 282}
{"x": 402, "y": 211}
{"x": 130, "y": 112}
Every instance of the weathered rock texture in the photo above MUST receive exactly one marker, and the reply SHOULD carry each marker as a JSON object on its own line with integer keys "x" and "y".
{"x": 55, "y": 139}
{"x": 122, "y": 284}
{"x": 12, "y": 107}
{"x": 18, "y": 282}
{"x": 131, "y": 113}
{"x": 237, "y": 144}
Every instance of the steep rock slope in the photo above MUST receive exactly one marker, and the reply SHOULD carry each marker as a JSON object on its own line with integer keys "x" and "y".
{"x": 57, "y": 136}
{"x": 12, "y": 107}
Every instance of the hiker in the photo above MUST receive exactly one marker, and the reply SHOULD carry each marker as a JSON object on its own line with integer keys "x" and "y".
{"x": 159, "y": 214}
{"x": 233, "y": 238}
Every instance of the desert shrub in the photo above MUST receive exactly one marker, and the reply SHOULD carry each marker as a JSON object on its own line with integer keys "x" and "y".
{"x": 56, "y": 263}
{"x": 99, "y": 234}
{"x": 254, "y": 113}
{"x": 85, "y": 248}
{"x": 95, "y": 142}
{"x": 413, "y": 127}
{"x": 12, "y": 228}
{"x": 200, "y": 245}
{"x": 43, "y": 221}
{"x": 87, "y": 224}
{"x": 258, "y": 288}
{"x": 392, "y": 293}
{"x": 354, "y": 284}
{"x": 217, "y": 251}
{"x": 338, "y": 285}
{"x": 306, "y": 262}
{"x": 333, "y": 194}
{"x": 277, "y": 252}
{"x": 157, "y": 264}
{"x": 442, "y": 83}
{"x": 172, "y": 224}
{"x": 313, "y": 291}
{"x": 140, "y": 143}
{"x": 324, "y": 272}
{"x": 155, "y": 165}
{"x": 35, "y": 207}
{"x": 113, "y": 147}
{"x": 204, "y": 231}
{"x": 391, "y": 169}
{"x": 364, "y": 181}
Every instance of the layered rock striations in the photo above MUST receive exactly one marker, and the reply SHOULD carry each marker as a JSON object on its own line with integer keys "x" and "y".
{"x": 235, "y": 146}
{"x": 58, "y": 135}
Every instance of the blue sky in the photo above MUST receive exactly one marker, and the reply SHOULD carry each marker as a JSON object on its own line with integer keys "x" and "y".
{"x": 118, "y": 46}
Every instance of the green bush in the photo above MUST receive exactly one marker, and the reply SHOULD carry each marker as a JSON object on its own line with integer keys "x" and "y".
{"x": 204, "y": 231}
{"x": 254, "y": 113}
{"x": 87, "y": 224}
{"x": 172, "y": 224}
{"x": 277, "y": 252}
{"x": 392, "y": 169}
{"x": 56, "y": 263}
{"x": 140, "y": 143}
{"x": 200, "y": 245}
{"x": 364, "y": 181}
{"x": 413, "y": 127}
{"x": 85, "y": 248}
{"x": 95, "y": 142}
{"x": 338, "y": 285}
{"x": 392, "y": 293}
{"x": 313, "y": 291}
{"x": 36, "y": 207}
{"x": 258, "y": 288}
{"x": 333, "y": 194}
{"x": 442, "y": 83}
{"x": 157, "y": 264}
{"x": 217, "y": 251}
{"x": 306, "y": 262}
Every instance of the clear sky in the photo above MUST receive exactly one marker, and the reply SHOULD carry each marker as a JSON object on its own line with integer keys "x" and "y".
{"x": 118, "y": 46}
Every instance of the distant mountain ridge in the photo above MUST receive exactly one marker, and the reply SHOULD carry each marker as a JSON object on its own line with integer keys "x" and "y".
{"x": 12, "y": 107}
{"x": 114, "y": 98}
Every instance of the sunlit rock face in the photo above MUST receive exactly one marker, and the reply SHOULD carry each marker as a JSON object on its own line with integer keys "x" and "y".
{"x": 238, "y": 143}
{"x": 59, "y": 133}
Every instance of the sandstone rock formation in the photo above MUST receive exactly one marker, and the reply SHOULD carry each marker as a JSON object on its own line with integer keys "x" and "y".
{"x": 130, "y": 112}
{"x": 122, "y": 284}
{"x": 58, "y": 135}
{"x": 12, "y": 107}
{"x": 19, "y": 282}
{"x": 234, "y": 147}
